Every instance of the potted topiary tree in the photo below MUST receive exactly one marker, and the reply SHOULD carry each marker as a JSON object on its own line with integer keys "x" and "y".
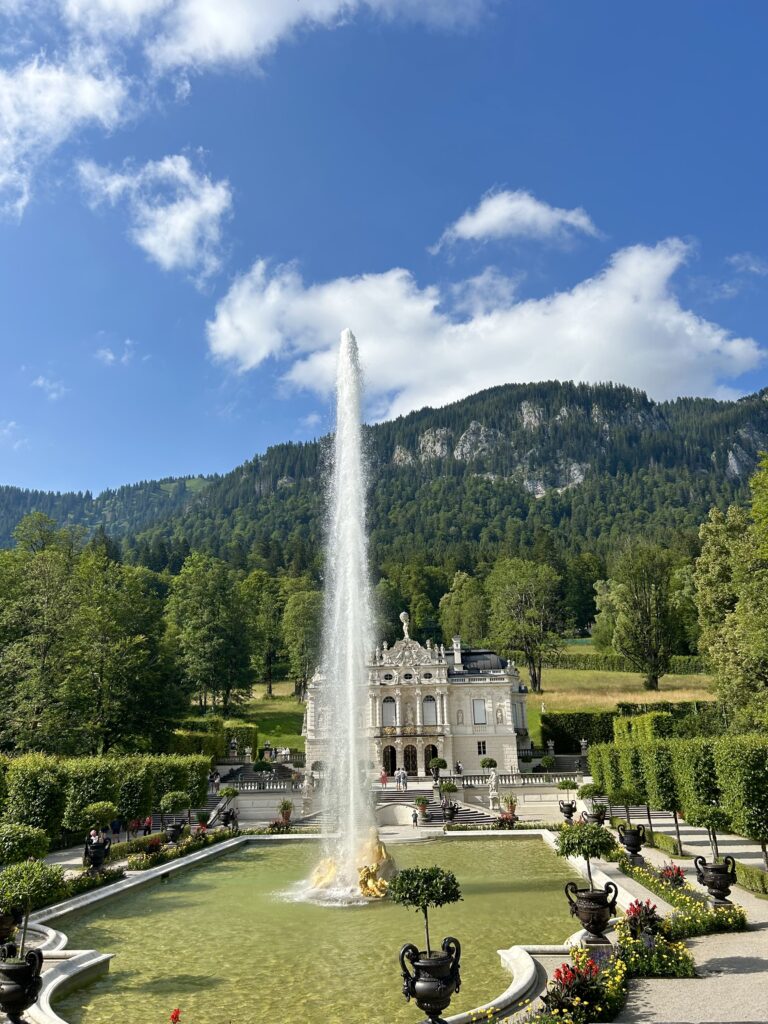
{"x": 548, "y": 762}
{"x": 590, "y": 792}
{"x": 22, "y": 888}
{"x": 173, "y": 803}
{"x": 435, "y": 765}
{"x": 447, "y": 789}
{"x": 422, "y": 803}
{"x": 436, "y": 974}
{"x": 593, "y": 907}
{"x": 567, "y": 806}
{"x": 507, "y": 818}
{"x": 285, "y": 808}
{"x": 486, "y": 763}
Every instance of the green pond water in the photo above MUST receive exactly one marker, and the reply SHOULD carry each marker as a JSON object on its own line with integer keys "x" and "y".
{"x": 221, "y": 943}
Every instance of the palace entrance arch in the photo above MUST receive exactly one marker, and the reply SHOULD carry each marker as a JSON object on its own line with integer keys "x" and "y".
{"x": 390, "y": 760}
{"x": 410, "y": 760}
{"x": 430, "y": 751}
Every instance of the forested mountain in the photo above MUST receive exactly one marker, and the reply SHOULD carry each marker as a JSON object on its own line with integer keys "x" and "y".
{"x": 574, "y": 467}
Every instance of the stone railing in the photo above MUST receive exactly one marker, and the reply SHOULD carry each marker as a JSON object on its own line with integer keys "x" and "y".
{"x": 274, "y": 785}
{"x": 512, "y": 779}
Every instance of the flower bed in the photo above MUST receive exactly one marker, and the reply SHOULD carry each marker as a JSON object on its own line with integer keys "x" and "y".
{"x": 151, "y": 856}
{"x": 695, "y": 915}
{"x": 520, "y": 826}
{"x": 119, "y": 851}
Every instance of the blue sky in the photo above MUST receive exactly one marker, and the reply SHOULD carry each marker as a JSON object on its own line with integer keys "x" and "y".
{"x": 198, "y": 195}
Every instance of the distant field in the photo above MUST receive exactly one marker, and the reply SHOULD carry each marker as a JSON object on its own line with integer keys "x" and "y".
{"x": 279, "y": 719}
{"x": 569, "y": 690}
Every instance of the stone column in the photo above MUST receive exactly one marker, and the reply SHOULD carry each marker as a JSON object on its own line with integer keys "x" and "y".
{"x": 398, "y": 709}
{"x": 419, "y": 716}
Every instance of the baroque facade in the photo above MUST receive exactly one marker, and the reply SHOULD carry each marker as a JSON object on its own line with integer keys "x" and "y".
{"x": 461, "y": 704}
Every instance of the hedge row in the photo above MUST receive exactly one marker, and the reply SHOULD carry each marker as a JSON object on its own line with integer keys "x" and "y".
{"x": 653, "y": 725}
{"x": 119, "y": 851}
{"x": 679, "y": 665}
{"x": 717, "y": 783}
{"x": 568, "y": 728}
{"x": 212, "y": 736}
{"x": 47, "y": 884}
{"x": 754, "y": 879}
{"x": 50, "y": 793}
{"x": 186, "y": 741}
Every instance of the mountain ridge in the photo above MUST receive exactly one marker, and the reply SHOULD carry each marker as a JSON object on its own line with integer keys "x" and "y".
{"x": 549, "y": 451}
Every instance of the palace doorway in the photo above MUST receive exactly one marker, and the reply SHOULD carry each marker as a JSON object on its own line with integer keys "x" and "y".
{"x": 390, "y": 760}
{"x": 430, "y": 751}
{"x": 410, "y": 760}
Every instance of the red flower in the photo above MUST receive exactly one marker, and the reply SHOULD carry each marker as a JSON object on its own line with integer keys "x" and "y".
{"x": 175, "y": 1016}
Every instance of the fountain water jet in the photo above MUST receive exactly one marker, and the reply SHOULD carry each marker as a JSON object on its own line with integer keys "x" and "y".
{"x": 348, "y": 641}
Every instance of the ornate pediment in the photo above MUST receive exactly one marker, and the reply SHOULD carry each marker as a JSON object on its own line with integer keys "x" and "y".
{"x": 408, "y": 652}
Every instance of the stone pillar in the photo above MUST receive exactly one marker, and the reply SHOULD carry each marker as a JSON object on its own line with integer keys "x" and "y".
{"x": 419, "y": 710}
{"x": 398, "y": 709}
{"x": 439, "y": 708}
{"x": 444, "y": 702}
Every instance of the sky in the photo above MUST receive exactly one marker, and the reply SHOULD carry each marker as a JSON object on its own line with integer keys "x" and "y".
{"x": 197, "y": 196}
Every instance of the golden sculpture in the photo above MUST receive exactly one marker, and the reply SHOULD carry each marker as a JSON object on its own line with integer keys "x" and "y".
{"x": 377, "y": 867}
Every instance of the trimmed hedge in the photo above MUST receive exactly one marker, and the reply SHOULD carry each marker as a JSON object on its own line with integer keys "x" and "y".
{"x": 43, "y": 790}
{"x": 568, "y": 728}
{"x": 246, "y": 736}
{"x": 679, "y": 664}
{"x": 754, "y": 879}
{"x": 120, "y": 851}
{"x": 742, "y": 772}
{"x": 185, "y": 741}
{"x": 652, "y": 725}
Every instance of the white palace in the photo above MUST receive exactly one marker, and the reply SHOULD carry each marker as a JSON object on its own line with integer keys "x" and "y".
{"x": 423, "y": 702}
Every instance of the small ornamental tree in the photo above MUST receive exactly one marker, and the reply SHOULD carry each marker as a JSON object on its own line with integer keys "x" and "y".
{"x": 20, "y": 842}
{"x": 422, "y": 888}
{"x": 173, "y": 803}
{"x": 590, "y": 791}
{"x": 585, "y": 841}
{"x": 625, "y": 796}
{"x": 567, "y": 785}
{"x": 548, "y": 762}
{"x": 742, "y": 772}
{"x": 486, "y": 763}
{"x": 448, "y": 787}
{"x": 436, "y": 764}
{"x": 98, "y": 815}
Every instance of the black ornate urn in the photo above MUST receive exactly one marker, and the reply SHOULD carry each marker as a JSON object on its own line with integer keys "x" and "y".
{"x": 718, "y": 878}
{"x": 436, "y": 774}
{"x": 173, "y": 832}
{"x": 594, "y": 909}
{"x": 20, "y": 983}
{"x": 96, "y": 854}
{"x": 435, "y": 977}
{"x": 596, "y": 817}
{"x": 632, "y": 838}
{"x": 568, "y": 809}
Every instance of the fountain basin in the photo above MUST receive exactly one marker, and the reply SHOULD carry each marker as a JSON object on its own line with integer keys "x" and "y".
{"x": 220, "y": 940}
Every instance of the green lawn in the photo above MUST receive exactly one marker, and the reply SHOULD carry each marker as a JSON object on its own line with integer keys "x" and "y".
{"x": 279, "y": 718}
{"x": 571, "y": 690}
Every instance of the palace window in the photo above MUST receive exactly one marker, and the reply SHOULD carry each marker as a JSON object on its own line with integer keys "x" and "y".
{"x": 478, "y": 711}
{"x": 408, "y": 675}
{"x": 388, "y": 711}
{"x": 427, "y": 675}
{"x": 389, "y": 676}
{"x": 429, "y": 709}
{"x": 481, "y": 748}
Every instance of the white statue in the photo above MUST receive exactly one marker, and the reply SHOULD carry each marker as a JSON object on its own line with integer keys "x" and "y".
{"x": 493, "y": 783}
{"x": 405, "y": 619}
{"x": 249, "y": 754}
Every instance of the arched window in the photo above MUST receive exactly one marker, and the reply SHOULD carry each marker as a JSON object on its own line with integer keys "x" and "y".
{"x": 390, "y": 760}
{"x": 388, "y": 711}
{"x": 429, "y": 709}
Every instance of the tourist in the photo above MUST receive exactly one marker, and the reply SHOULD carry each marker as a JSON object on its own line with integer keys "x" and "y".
{"x": 210, "y": 781}
{"x": 414, "y": 818}
{"x": 216, "y": 782}
{"x": 117, "y": 828}
{"x": 459, "y": 768}
{"x": 147, "y": 824}
{"x": 405, "y": 780}
{"x": 90, "y": 840}
{"x": 398, "y": 780}
{"x": 383, "y": 778}
{"x": 133, "y": 828}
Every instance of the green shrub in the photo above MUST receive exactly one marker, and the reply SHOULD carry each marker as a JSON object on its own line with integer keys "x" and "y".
{"x": 595, "y": 764}
{"x": 4, "y": 762}
{"x": 36, "y": 793}
{"x": 439, "y": 762}
{"x": 87, "y": 881}
{"x": 660, "y": 959}
{"x": 31, "y": 885}
{"x": 20, "y": 842}
{"x": 548, "y": 762}
{"x": 568, "y": 728}
{"x": 134, "y": 789}
{"x": 119, "y": 851}
{"x": 174, "y": 802}
{"x": 486, "y": 763}
{"x": 654, "y": 725}
{"x": 693, "y": 762}
{"x": 622, "y": 728}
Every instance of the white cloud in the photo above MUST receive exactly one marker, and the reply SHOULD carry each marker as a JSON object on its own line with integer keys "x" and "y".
{"x": 516, "y": 215}
{"x": 195, "y": 33}
{"x": 54, "y": 389}
{"x": 11, "y": 436}
{"x": 112, "y": 17}
{"x": 312, "y": 419}
{"x": 109, "y": 357}
{"x": 175, "y": 212}
{"x": 748, "y": 263}
{"x": 42, "y": 104}
{"x": 625, "y": 324}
